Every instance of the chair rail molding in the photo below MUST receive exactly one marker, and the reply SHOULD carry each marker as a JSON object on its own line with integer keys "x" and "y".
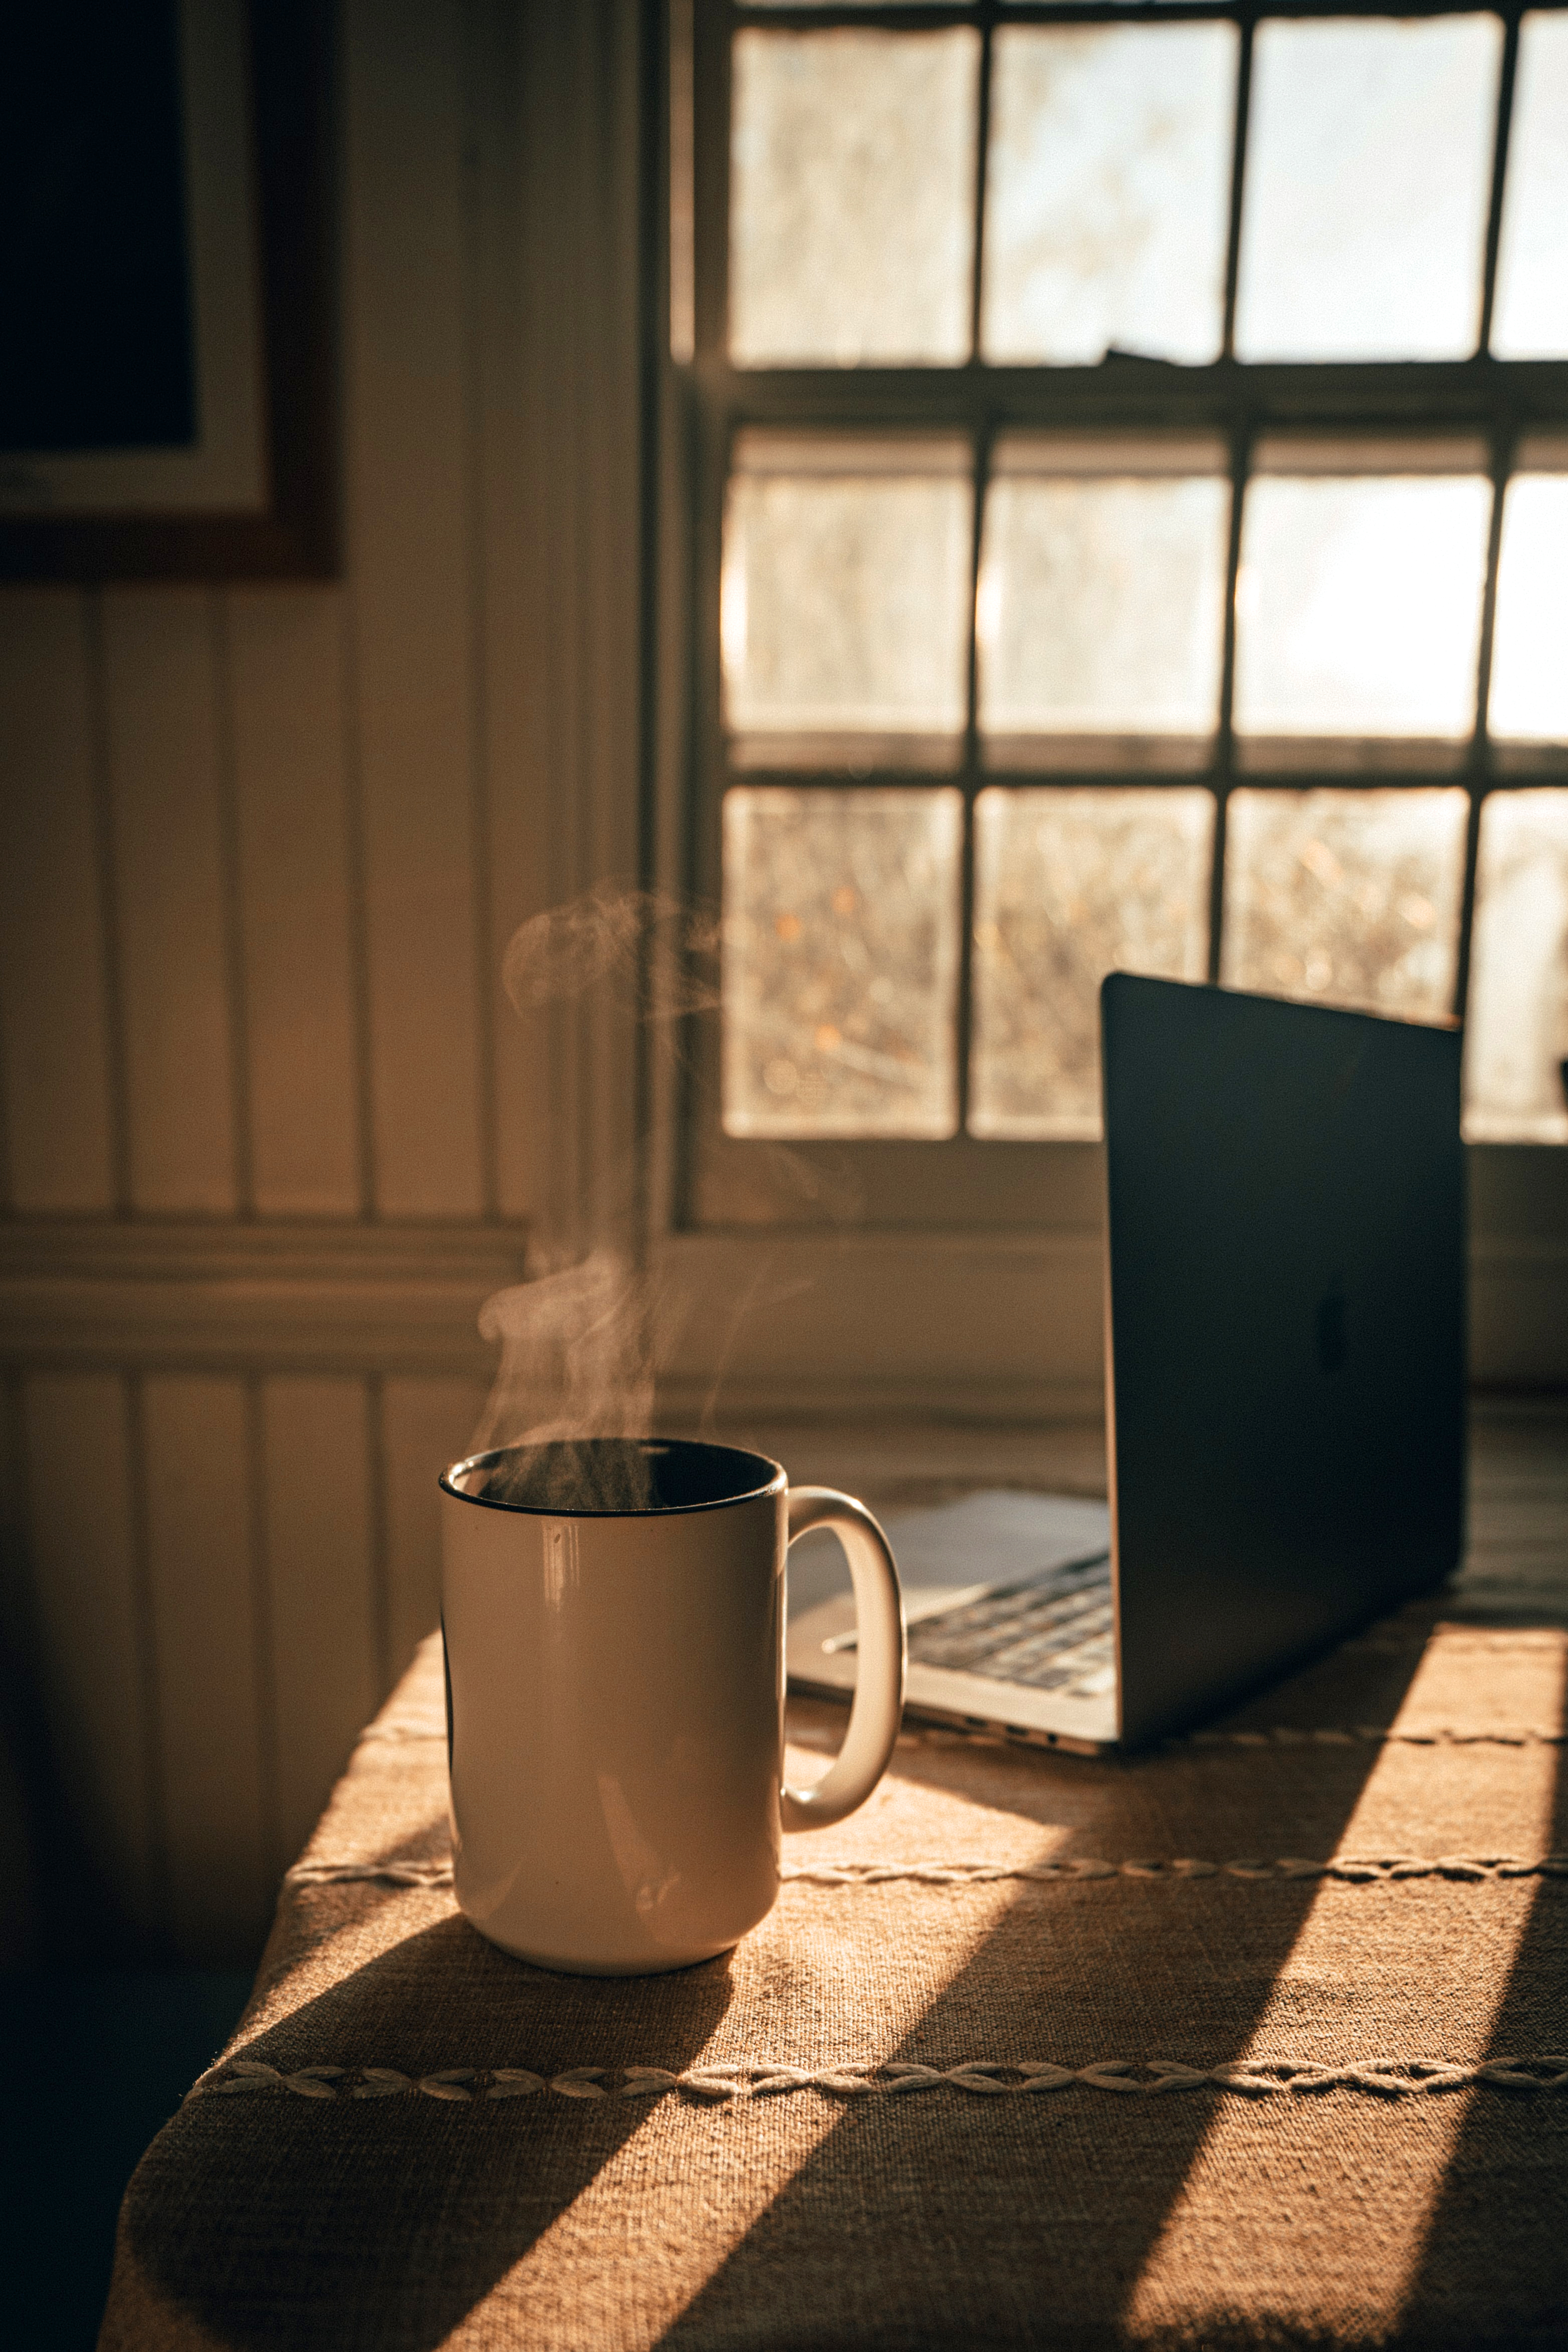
{"x": 220, "y": 1296}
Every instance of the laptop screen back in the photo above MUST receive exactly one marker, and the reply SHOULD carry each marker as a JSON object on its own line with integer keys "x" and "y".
{"x": 1286, "y": 1332}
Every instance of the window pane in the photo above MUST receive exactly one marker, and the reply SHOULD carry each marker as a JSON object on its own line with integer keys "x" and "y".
{"x": 1529, "y": 698}
{"x": 845, "y": 601}
{"x": 1516, "y": 1029}
{"x": 852, "y": 197}
{"x": 1102, "y": 601}
{"x": 1358, "y": 617}
{"x": 1369, "y": 158}
{"x": 1068, "y": 886}
{"x": 1530, "y": 315}
{"x": 1351, "y": 897}
{"x": 840, "y": 961}
{"x": 1108, "y": 191}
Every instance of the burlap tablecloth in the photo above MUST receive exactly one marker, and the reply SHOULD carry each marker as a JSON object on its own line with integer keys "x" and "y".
{"x": 1269, "y": 2103}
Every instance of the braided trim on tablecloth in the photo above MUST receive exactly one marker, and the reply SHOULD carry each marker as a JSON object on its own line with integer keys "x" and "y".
{"x": 1351, "y": 1870}
{"x": 1255, "y": 2078}
{"x": 1375, "y": 1735}
{"x": 1279, "y": 1734}
{"x": 1456, "y": 1640}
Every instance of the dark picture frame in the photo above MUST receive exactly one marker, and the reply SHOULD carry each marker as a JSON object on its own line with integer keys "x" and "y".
{"x": 291, "y": 529}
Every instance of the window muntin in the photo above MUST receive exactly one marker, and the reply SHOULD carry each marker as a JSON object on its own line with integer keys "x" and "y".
{"x": 1066, "y": 728}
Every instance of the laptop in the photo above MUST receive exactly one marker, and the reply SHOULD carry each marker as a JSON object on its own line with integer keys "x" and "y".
{"x": 1285, "y": 1391}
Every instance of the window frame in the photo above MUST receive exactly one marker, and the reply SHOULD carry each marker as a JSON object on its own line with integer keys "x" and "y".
{"x": 714, "y": 1182}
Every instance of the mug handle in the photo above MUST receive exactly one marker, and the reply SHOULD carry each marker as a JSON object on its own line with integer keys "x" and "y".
{"x": 879, "y": 1684}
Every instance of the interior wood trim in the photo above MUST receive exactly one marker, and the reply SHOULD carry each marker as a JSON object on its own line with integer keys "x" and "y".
{"x": 187, "y": 1295}
{"x": 994, "y": 1328}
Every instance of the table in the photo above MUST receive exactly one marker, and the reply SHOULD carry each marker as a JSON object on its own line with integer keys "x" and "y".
{"x": 1254, "y": 2040}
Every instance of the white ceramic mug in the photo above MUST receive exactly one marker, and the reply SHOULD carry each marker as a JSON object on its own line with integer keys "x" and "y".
{"x": 614, "y": 1616}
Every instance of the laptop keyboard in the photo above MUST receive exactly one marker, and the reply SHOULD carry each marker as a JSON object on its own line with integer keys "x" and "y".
{"x": 1055, "y": 1636}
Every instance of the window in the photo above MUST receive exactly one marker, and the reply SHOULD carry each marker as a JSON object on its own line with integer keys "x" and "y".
{"x": 1131, "y": 528}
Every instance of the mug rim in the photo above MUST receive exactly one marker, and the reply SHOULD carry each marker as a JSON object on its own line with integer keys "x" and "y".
{"x": 776, "y": 1482}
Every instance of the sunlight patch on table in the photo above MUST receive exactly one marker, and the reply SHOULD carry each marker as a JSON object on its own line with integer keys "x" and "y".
{"x": 1355, "y": 1974}
{"x": 679, "y": 2196}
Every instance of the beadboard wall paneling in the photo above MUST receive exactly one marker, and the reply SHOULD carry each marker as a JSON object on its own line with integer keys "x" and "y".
{"x": 410, "y": 487}
{"x": 224, "y": 1577}
{"x": 263, "y": 848}
{"x": 166, "y": 741}
{"x": 297, "y": 900}
{"x": 423, "y": 1424}
{"x": 558, "y": 377}
{"x": 23, "y": 1735}
{"x": 90, "y": 1601}
{"x": 173, "y": 1296}
{"x": 524, "y": 593}
{"x": 55, "y": 1028}
{"x": 211, "y": 1660}
{"x": 324, "y": 1589}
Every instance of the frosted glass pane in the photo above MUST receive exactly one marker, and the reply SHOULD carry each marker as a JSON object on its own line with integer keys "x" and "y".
{"x": 1068, "y": 886}
{"x": 1108, "y": 191}
{"x": 1530, "y": 310}
{"x": 852, "y": 197}
{"x": 1529, "y": 697}
{"x": 1369, "y": 157}
{"x": 840, "y": 961}
{"x": 1349, "y": 897}
{"x": 1516, "y": 1027}
{"x": 1101, "y": 613}
{"x": 845, "y": 603}
{"x": 1358, "y": 610}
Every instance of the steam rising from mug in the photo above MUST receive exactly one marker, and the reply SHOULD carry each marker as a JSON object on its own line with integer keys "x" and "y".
{"x": 577, "y": 1362}
{"x": 577, "y": 1345}
{"x": 648, "y": 943}
{"x": 577, "y": 1341}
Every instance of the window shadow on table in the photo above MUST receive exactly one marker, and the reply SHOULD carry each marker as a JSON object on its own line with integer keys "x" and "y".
{"x": 943, "y": 2218}
{"x": 1501, "y": 2222}
{"x": 281, "y": 2220}
{"x": 329, "y": 2223}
